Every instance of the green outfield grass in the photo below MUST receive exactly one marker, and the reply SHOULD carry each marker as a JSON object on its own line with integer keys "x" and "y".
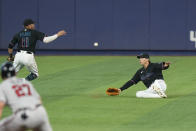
{"x": 73, "y": 92}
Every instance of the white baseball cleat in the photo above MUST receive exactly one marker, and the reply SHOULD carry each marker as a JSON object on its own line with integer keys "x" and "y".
{"x": 159, "y": 92}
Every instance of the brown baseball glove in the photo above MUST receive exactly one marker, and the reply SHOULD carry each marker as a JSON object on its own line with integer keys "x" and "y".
{"x": 113, "y": 91}
{"x": 10, "y": 59}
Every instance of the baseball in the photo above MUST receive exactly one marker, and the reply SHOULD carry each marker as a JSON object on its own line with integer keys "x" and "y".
{"x": 96, "y": 44}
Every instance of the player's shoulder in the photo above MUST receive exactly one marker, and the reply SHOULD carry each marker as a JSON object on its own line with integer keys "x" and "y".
{"x": 5, "y": 83}
{"x": 157, "y": 63}
{"x": 18, "y": 33}
{"x": 154, "y": 63}
{"x": 23, "y": 30}
{"x": 22, "y": 81}
{"x": 13, "y": 80}
{"x": 36, "y": 31}
{"x": 140, "y": 70}
{"x": 28, "y": 30}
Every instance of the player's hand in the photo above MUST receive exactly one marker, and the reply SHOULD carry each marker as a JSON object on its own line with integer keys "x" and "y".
{"x": 119, "y": 90}
{"x": 10, "y": 59}
{"x": 167, "y": 64}
{"x": 61, "y": 33}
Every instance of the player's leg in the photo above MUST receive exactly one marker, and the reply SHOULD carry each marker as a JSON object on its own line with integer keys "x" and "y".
{"x": 159, "y": 87}
{"x": 9, "y": 124}
{"x": 46, "y": 124}
{"x": 38, "y": 120}
{"x": 5, "y": 122}
{"x": 44, "y": 127}
{"x": 18, "y": 67}
{"x": 148, "y": 93}
{"x": 32, "y": 67}
{"x": 156, "y": 90}
{"x": 17, "y": 64}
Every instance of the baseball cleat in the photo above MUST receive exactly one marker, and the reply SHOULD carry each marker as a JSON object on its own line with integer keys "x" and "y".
{"x": 159, "y": 92}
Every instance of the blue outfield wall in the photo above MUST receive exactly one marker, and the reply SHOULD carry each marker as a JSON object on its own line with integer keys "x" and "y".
{"x": 114, "y": 24}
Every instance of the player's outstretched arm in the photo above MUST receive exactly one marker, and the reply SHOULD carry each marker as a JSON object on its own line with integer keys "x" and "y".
{"x": 54, "y": 37}
{"x": 127, "y": 85}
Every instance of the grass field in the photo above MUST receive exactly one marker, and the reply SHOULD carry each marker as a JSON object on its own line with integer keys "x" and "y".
{"x": 73, "y": 92}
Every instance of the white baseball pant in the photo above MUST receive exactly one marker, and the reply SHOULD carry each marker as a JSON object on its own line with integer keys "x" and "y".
{"x": 36, "y": 119}
{"x": 22, "y": 59}
{"x": 150, "y": 93}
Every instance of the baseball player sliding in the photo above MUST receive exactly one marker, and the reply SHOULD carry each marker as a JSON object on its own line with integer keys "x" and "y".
{"x": 151, "y": 75}
{"x": 25, "y": 102}
{"x": 26, "y": 40}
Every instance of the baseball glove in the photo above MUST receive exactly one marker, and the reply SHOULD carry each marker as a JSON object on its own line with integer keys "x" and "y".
{"x": 112, "y": 91}
{"x": 10, "y": 59}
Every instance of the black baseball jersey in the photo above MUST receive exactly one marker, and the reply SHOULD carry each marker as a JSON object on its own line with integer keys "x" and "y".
{"x": 147, "y": 76}
{"x": 26, "y": 40}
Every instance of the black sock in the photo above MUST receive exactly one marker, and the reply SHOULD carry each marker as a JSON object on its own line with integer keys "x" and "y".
{"x": 31, "y": 77}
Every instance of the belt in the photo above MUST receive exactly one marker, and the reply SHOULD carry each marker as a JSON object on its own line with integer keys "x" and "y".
{"x": 28, "y": 52}
{"x": 27, "y": 108}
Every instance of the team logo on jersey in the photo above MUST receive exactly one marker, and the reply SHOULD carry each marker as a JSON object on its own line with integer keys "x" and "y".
{"x": 193, "y": 37}
{"x": 25, "y": 34}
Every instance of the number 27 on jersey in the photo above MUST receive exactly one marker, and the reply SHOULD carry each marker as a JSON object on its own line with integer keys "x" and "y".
{"x": 22, "y": 90}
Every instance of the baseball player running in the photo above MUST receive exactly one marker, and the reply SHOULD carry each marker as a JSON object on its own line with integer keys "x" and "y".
{"x": 25, "y": 102}
{"x": 26, "y": 40}
{"x": 151, "y": 75}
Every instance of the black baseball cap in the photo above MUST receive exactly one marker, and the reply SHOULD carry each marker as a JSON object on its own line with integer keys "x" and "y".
{"x": 28, "y": 22}
{"x": 143, "y": 55}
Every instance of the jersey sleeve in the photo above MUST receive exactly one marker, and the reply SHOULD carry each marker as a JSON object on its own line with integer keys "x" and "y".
{"x": 2, "y": 95}
{"x": 136, "y": 77}
{"x": 160, "y": 66}
{"x": 39, "y": 35}
{"x": 13, "y": 41}
{"x": 134, "y": 80}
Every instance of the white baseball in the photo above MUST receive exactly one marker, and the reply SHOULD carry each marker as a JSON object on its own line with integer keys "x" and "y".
{"x": 96, "y": 44}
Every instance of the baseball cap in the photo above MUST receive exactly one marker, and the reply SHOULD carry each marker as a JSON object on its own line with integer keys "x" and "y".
{"x": 143, "y": 55}
{"x": 28, "y": 22}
